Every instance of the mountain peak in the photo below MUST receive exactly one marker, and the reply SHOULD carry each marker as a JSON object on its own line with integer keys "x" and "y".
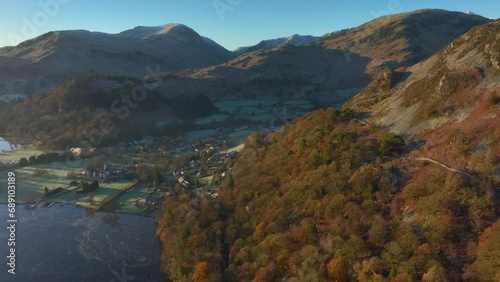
{"x": 174, "y": 31}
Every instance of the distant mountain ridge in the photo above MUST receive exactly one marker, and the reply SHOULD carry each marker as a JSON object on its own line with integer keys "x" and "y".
{"x": 346, "y": 59}
{"x": 53, "y": 57}
{"x": 294, "y": 40}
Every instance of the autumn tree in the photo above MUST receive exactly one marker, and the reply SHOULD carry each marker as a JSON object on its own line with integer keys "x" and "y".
{"x": 144, "y": 172}
{"x": 487, "y": 258}
{"x": 338, "y": 270}
{"x": 200, "y": 272}
{"x": 435, "y": 274}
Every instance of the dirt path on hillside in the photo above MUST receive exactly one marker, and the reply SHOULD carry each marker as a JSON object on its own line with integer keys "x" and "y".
{"x": 442, "y": 165}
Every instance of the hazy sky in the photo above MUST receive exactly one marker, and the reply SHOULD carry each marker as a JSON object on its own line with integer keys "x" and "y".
{"x": 231, "y": 23}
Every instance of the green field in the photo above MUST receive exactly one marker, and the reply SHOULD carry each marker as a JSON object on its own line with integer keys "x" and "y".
{"x": 197, "y": 134}
{"x": 245, "y": 110}
{"x": 257, "y": 110}
{"x": 242, "y": 103}
{"x": 18, "y": 154}
{"x": 162, "y": 123}
{"x": 124, "y": 203}
{"x": 238, "y": 137}
{"x": 212, "y": 118}
{"x": 30, "y": 188}
{"x": 261, "y": 117}
{"x": 105, "y": 193}
{"x": 297, "y": 102}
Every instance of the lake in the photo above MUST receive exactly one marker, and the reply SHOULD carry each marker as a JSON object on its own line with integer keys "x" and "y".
{"x": 65, "y": 243}
{"x": 7, "y": 146}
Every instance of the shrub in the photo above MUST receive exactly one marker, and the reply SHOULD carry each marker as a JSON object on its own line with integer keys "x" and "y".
{"x": 392, "y": 144}
{"x": 494, "y": 100}
{"x": 312, "y": 234}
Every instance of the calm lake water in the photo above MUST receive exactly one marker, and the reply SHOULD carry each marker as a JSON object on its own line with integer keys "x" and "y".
{"x": 70, "y": 244}
{"x": 7, "y": 146}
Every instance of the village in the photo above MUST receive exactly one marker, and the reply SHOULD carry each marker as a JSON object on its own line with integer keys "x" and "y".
{"x": 133, "y": 177}
{"x": 197, "y": 169}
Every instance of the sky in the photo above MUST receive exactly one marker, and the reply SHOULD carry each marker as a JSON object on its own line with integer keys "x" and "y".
{"x": 231, "y": 23}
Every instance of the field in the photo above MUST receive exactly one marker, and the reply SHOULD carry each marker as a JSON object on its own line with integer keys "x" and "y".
{"x": 264, "y": 109}
{"x": 30, "y": 188}
{"x": 18, "y": 154}
{"x": 244, "y": 103}
{"x": 124, "y": 203}
{"x": 197, "y": 134}
{"x": 237, "y": 138}
{"x": 212, "y": 119}
{"x": 162, "y": 123}
{"x": 105, "y": 193}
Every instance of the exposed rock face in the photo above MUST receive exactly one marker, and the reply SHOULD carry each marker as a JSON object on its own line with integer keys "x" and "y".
{"x": 449, "y": 87}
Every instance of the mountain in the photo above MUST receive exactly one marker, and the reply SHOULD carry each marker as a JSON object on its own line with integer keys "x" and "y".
{"x": 447, "y": 87}
{"x": 404, "y": 39}
{"x": 36, "y": 65}
{"x": 273, "y": 43}
{"x": 333, "y": 67}
{"x": 449, "y": 102}
{"x": 401, "y": 184}
{"x": 347, "y": 59}
{"x": 320, "y": 73}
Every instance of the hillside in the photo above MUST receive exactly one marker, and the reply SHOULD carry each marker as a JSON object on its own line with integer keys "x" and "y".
{"x": 402, "y": 40}
{"x": 101, "y": 109}
{"x": 452, "y": 95}
{"x": 402, "y": 188}
{"x": 348, "y": 59}
{"x": 36, "y": 65}
{"x": 329, "y": 197}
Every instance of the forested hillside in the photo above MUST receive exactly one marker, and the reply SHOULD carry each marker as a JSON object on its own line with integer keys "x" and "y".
{"x": 331, "y": 198}
{"x": 100, "y": 109}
